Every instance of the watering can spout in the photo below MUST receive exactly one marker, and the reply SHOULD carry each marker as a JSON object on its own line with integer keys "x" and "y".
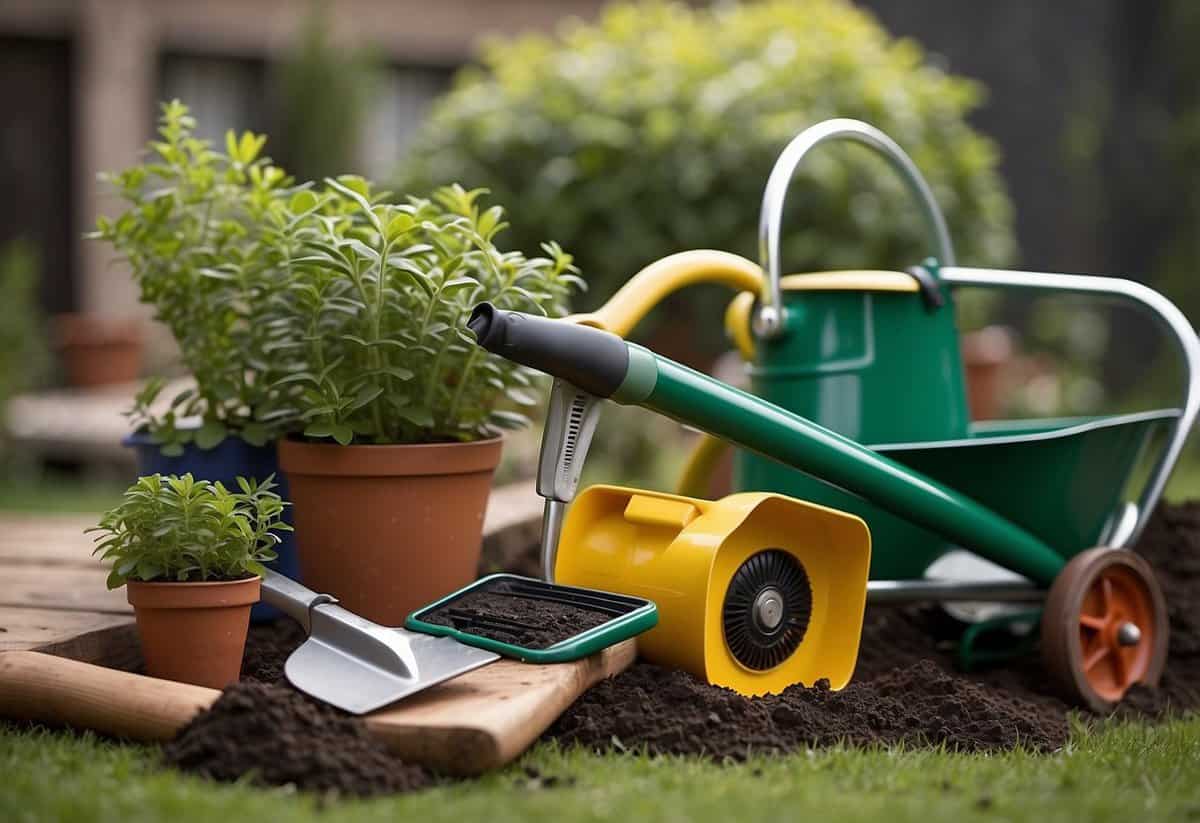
{"x": 590, "y": 359}
{"x": 483, "y": 325}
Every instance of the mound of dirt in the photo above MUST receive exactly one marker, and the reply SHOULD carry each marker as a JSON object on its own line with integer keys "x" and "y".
{"x": 670, "y": 712}
{"x": 905, "y": 691}
{"x": 281, "y": 737}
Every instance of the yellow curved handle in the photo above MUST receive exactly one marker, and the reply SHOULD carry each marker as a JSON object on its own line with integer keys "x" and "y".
{"x": 653, "y": 284}
{"x": 700, "y": 465}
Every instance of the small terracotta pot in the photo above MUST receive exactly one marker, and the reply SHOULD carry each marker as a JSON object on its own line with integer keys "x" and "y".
{"x": 987, "y": 356}
{"x": 98, "y": 351}
{"x": 387, "y": 529}
{"x": 194, "y": 632}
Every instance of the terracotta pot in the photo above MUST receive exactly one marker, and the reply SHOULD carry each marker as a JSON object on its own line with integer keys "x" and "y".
{"x": 987, "y": 356}
{"x": 387, "y": 529}
{"x": 98, "y": 351}
{"x": 194, "y": 632}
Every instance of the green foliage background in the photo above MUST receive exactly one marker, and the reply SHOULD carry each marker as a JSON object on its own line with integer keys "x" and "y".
{"x": 24, "y": 358}
{"x": 325, "y": 93}
{"x": 654, "y": 129}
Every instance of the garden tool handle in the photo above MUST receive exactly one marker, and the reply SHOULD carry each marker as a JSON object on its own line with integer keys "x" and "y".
{"x": 769, "y": 321}
{"x": 632, "y": 375}
{"x": 662, "y": 278}
{"x": 1127, "y": 530}
{"x": 571, "y": 418}
{"x": 292, "y": 598}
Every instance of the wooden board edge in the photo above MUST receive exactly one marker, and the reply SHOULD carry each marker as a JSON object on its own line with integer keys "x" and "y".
{"x": 113, "y": 647}
{"x": 465, "y": 750}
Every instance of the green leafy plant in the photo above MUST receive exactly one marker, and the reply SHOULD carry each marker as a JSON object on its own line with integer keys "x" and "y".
{"x": 200, "y": 241}
{"x": 187, "y": 530}
{"x": 24, "y": 357}
{"x": 325, "y": 92}
{"x": 653, "y": 130}
{"x": 370, "y": 325}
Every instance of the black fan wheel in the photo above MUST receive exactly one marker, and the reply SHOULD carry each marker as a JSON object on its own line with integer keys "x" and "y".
{"x": 767, "y": 609}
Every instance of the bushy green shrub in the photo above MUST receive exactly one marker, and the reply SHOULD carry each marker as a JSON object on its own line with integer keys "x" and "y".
{"x": 324, "y": 97}
{"x": 198, "y": 236}
{"x": 369, "y": 329}
{"x": 333, "y": 311}
{"x": 653, "y": 130}
{"x": 24, "y": 357}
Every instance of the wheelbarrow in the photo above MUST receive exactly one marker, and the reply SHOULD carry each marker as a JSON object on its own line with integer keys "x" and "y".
{"x": 857, "y": 406}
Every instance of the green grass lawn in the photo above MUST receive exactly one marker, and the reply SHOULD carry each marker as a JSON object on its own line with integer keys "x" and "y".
{"x": 1121, "y": 772}
{"x": 57, "y": 493}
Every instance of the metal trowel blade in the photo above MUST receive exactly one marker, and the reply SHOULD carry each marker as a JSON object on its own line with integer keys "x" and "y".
{"x": 359, "y": 666}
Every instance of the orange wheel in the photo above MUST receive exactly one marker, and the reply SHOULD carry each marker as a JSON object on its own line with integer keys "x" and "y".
{"x": 1104, "y": 627}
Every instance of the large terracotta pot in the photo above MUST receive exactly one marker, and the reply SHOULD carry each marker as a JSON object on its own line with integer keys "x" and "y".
{"x": 98, "y": 351}
{"x": 194, "y": 632}
{"x": 386, "y": 529}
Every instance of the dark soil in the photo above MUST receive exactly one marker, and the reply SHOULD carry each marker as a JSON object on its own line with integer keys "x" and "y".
{"x": 519, "y": 620}
{"x": 905, "y": 691}
{"x": 281, "y": 737}
{"x": 669, "y": 712}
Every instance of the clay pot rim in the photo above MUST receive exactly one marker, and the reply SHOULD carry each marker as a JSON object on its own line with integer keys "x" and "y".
{"x": 304, "y": 457}
{"x": 183, "y": 594}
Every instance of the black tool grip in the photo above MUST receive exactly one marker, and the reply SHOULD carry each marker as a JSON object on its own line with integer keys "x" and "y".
{"x": 590, "y": 359}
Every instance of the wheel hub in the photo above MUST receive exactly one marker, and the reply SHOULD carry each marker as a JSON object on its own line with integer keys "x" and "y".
{"x": 768, "y": 609}
{"x": 1128, "y": 634}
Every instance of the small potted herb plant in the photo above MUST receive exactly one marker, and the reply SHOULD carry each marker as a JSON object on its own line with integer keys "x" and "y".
{"x": 398, "y": 414}
{"x": 189, "y": 553}
{"x": 200, "y": 234}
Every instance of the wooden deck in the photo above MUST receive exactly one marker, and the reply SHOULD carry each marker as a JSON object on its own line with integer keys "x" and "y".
{"x": 53, "y": 596}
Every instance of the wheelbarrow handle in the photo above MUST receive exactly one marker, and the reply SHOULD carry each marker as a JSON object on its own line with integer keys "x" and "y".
{"x": 1126, "y": 529}
{"x": 769, "y": 320}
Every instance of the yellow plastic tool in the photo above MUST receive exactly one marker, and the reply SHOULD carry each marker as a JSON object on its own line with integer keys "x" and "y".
{"x": 755, "y": 591}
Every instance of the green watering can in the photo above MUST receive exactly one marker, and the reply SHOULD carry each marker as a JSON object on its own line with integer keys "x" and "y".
{"x": 857, "y": 402}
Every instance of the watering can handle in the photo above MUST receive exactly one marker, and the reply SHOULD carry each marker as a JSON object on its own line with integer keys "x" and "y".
{"x": 1126, "y": 529}
{"x": 770, "y": 320}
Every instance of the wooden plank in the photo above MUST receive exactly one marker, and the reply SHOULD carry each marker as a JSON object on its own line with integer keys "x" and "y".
{"x": 475, "y": 722}
{"x": 47, "y": 540}
{"x": 80, "y": 424}
{"x": 93, "y": 637}
{"x": 483, "y": 719}
{"x": 60, "y": 587}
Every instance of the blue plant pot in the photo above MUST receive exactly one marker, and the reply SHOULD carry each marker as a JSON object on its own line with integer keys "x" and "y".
{"x": 231, "y": 459}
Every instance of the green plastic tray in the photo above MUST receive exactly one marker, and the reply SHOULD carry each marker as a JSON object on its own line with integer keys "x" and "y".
{"x": 630, "y": 617}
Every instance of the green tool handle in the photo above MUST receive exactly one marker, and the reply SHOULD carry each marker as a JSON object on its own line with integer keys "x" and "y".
{"x": 564, "y": 349}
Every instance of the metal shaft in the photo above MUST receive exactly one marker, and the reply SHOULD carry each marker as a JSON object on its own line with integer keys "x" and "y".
{"x": 948, "y": 591}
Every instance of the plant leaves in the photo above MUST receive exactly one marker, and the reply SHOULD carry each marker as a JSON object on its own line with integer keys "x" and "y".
{"x": 417, "y": 415}
{"x": 210, "y": 435}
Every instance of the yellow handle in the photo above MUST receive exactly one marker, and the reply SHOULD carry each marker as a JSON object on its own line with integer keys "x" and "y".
{"x": 701, "y": 463}
{"x": 653, "y": 284}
